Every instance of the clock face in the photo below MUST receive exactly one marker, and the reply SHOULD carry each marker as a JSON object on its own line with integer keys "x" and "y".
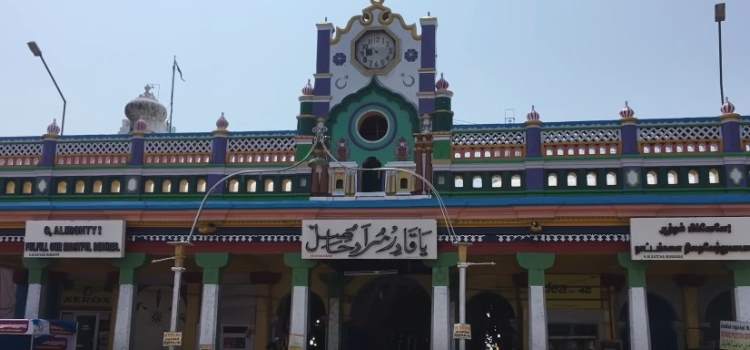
{"x": 375, "y": 50}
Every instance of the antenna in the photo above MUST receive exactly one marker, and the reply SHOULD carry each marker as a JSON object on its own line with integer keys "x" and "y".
{"x": 510, "y": 116}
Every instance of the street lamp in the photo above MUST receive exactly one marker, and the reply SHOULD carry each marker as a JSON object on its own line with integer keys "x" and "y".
{"x": 38, "y": 53}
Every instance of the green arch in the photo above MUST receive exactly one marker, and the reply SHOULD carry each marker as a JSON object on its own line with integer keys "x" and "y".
{"x": 401, "y": 114}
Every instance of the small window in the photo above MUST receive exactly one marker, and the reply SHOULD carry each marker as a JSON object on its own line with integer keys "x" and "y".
{"x": 441, "y": 180}
{"x": 114, "y": 186}
{"x": 149, "y": 186}
{"x": 693, "y": 177}
{"x": 251, "y": 186}
{"x": 458, "y": 181}
{"x": 713, "y": 176}
{"x": 268, "y": 185}
{"x": 572, "y": 179}
{"x": 651, "y": 178}
{"x": 591, "y": 179}
{"x": 515, "y": 181}
{"x": 10, "y": 187}
{"x": 166, "y": 186}
{"x": 302, "y": 182}
{"x": 286, "y": 185}
{"x": 62, "y": 187}
{"x": 184, "y": 186}
{"x": 234, "y": 186}
{"x": 611, "y": 179}
{"x": 552, "y": 180}
{"x": 80, "y": 186}
{"x": 497, "y": 181}
{"x": 201, "y": 186}
{"x": 672, "y": 177}
{"x": 97, "y": 187}
{"x": 403, "y": 183}
{"x": 339, "y": 184}
{"x": 27, "y": 188}
{"x": 476, "y": 182}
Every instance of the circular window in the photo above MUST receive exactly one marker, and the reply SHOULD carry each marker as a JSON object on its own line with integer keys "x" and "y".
{"x": 373, "y": 126}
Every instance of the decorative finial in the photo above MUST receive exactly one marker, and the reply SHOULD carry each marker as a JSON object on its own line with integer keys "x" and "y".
{"x": 442, "y": 84}
{"x": 53, "y": 129}
{"x": 428, "y": 13}
{"x": 626, "y": 112}
{"x": 325, "y": 19}
{"x": 222, "y": 124}
{"x": 727, "y": 107}
{"x": 140, "y": 126}
{"x": 533, "y": 115}
{"x": 308, "y": 89}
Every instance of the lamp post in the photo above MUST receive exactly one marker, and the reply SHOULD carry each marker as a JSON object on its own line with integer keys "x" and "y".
{"x": 462, "y": 266}
{"x": 720, "y": 16}
{"x": 38, "y": 53}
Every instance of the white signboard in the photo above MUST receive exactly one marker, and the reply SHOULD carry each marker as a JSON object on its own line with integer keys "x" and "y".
{"x": 696, "y": 238}
{"x": 74, "y": 239}
{"x": 734, "y": 335}
{"x": 462, "y": 331}
{"x": 369, "y": 239}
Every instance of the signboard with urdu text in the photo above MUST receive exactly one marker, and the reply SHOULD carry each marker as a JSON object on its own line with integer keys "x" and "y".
{"x": 369, "y": 239}
{"x": 74, "y": 239}
{"x": 734, "y": 335}
{"x": 696, "y": 238}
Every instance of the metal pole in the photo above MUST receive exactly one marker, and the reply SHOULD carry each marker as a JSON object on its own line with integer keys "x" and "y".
{"x": 721, "y": 67}
{"x": 178, "y": 269}
{"x": 65, "y": 102}
{"x": 171, "y": 95}
{"x": 462, "y": 300}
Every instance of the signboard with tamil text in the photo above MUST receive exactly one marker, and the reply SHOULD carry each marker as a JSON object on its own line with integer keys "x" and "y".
{"x": 734, "y": 335}
{"x": 695, "y": 238}
{"x": 74, "y": 239}
{"x": 369, "y": 239}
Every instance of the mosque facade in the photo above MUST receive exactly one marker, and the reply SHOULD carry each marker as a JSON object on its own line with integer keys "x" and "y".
{"x": 345, "y": 233}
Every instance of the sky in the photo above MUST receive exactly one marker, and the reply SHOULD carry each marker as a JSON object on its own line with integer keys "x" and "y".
{"x": 573, "y": 60}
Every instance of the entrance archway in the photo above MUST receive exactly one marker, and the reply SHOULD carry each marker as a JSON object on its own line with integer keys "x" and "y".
{"x": 661, "y": 318}
{"x": 719, "y": 309}
{"x": 491, "y": 318}
{"x": 389, "y": 313}
{"x": 372, "y": 181}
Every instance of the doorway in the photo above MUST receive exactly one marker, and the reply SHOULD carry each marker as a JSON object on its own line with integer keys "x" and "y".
{"x": 391, "y": 312}
{"x": 93, "y": 328}
{"x": 372, "y": 180}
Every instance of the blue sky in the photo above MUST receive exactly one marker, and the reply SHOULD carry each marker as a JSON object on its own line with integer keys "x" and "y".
{"x": 575, "y": 60}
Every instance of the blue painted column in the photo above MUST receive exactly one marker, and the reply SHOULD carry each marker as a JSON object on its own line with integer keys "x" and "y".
{"x": 427, "y": 65}
{"x": 731, "y": 142}
{"x": 322, "y": 88}
{"x": 534, "y": 172}
{"x": 631, "y": 174}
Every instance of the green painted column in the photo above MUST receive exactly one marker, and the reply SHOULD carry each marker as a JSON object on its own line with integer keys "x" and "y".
{"x": 300, "y": 298}
{"x": 441, "y": 329}
{"x": 741, "y": 272}
{"x": 535, "y": 264}
{"x": 640, "y": 335}
{"x": 37, "y": 269}
{"x": 125, "y": 299}
{"x": 211, "y": 264}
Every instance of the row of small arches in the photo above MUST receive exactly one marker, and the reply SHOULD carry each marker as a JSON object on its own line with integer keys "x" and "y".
{"x": 673, "y": 178}
{"x": 251, "y": 185}
{"x": 496, "y": 181}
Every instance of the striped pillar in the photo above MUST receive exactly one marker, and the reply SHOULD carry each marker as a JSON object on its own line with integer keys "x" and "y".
{"x": 125, "y": 299}
{"x": 211, "y": 264}
{"x": 300, "y": 299}
{"x": 535, "y": 264}
{"x": 640, "y": 335}
{"x": 441, "y": 330}
{"x": 37, "y": 270}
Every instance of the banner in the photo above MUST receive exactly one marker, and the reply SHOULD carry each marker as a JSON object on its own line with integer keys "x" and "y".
{"x": 369, "y": 239}
{"x": 74, "y": 239}
{"x": 734, "y": 335}
{"x": 696, "y": 238}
